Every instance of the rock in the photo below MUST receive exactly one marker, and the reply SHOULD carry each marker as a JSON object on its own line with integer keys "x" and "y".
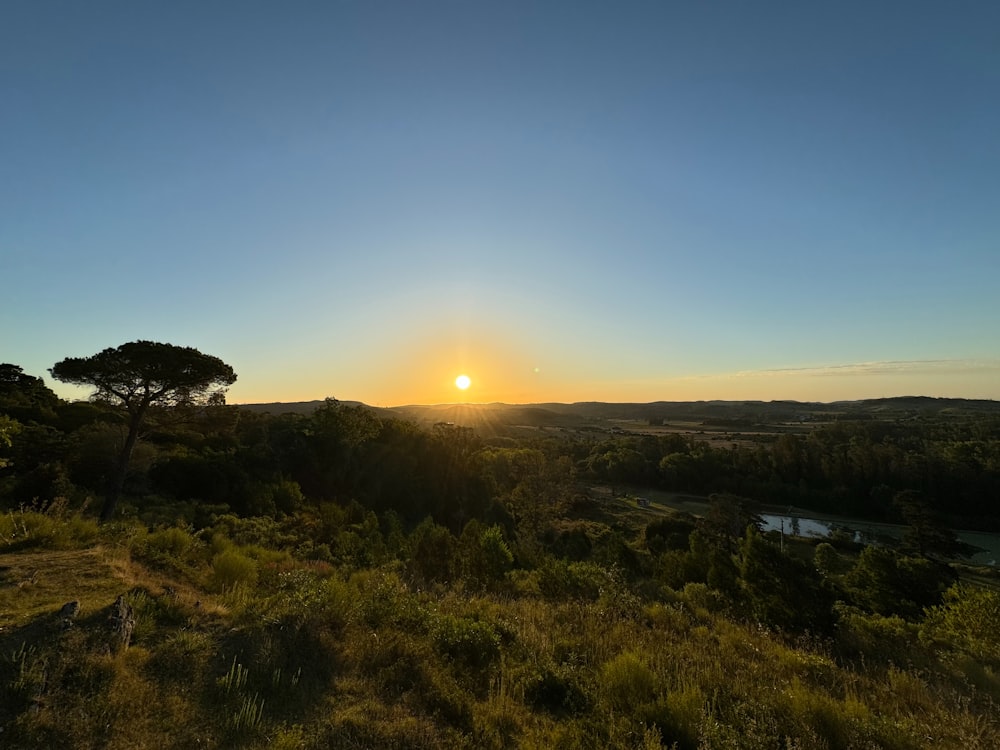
{"x": 122, "y": 622}
{"x": 69, "y": 612}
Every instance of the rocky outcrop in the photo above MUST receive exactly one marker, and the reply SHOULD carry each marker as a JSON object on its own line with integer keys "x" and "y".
{"x": 122, "y": 621}
{"x": 68, "y": 613}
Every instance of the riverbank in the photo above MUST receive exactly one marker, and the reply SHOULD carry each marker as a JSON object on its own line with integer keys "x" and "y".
{"x": 806, "y": 523}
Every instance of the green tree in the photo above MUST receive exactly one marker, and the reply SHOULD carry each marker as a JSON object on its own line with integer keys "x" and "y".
{"x": 434, "y": 552}
{"x": 888, "y": 583}
{"x": 781, "y": 590}
{"x": 728, "y": 518}
{"x": 926, "y": 533}
{"x": 140, "y": 375}
{"x": 485, "y": 554}
{"x": 531, "y": 488}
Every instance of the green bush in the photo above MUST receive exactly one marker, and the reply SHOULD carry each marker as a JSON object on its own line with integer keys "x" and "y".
{"x": 826, "y": 559}
{"x": 497, "y": 557}
{"x": 876, "y": 638}
{"x": 574, "y": 580}
{"x": 32, "y": 529}
{"x": 627, "y": 681}
{"x": 232, "y": 568}
{"x": 173, "y": 541}
{"x": 473, "y": 643}
{"x": 967, "y": 618}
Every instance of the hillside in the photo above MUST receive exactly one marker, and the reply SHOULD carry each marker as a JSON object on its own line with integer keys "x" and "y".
{"x": 428, "y": 641}
{"x": 559, "y": 576}
{"x": 691, "y": 417}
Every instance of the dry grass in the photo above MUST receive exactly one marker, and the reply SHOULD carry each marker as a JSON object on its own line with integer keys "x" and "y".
{"x": 37, "y": 584}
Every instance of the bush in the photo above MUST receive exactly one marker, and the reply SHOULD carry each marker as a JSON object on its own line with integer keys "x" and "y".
{"x": 700, "y": 597}
{"x": 231, "y": 568}
{"x": 576, "y": 580}
{"x": 382, "y": 599}
{"x": 173, "y": 541}
{"x": 33, "y": 529}
{"x": 82, "y": 531}
{"x": 628, "y": 682}
{"x": 967, "y": 619}
{"x": 876, "y": 638}
{"x": 497, "y": 557}
{"x": 556, "y": 691}
{"x": 434, "y": 553}
{"x": 475, "y": 644}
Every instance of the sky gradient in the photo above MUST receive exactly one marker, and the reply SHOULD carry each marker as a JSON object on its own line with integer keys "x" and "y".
{"x": 565, "y": 201}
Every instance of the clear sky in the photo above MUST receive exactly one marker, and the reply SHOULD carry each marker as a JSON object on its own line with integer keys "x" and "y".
{"x": 566, "y": 201}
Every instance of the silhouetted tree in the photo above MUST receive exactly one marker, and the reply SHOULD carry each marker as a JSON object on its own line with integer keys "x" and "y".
{"x": 727, "y": 519}
{"x": 25, "y": 397}
{"x": 139, "y": 375}
{"x": 926, "y": 533}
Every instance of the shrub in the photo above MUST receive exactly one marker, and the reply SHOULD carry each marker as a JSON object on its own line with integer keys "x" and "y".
{"x": 231, "y": 568}
{"x": 825, "y": 558}
{"x": 555, "y": 690}
{"x": 28, "y": 528}
{"x": 475, "y": 644}
{"x": 383, "y": 599}
{"x": 434, "y": 553}
{"x": 891, "y": 584}
{"x": 968, "y": 619}
{"x": 782, "y": 591}
{"x": 700, "y": 597}
{"x": 627, "y": 681}
{"x": 305, "y": 596}
{"x": 173, "y": 541}
{"x": 576, "y": 580}
{"x": 871, "y": 636}
{"x": 497, "y": 557}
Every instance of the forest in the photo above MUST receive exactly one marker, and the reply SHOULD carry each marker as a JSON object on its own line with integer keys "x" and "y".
{"x": 179, "y": 572}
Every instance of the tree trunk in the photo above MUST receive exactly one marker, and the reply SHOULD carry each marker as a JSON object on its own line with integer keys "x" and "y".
{"x": 121, "y": 469}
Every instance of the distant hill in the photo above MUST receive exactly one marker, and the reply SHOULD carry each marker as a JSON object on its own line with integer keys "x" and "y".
{"x": 300, "y": 407}
{"x": 499, "y": 418}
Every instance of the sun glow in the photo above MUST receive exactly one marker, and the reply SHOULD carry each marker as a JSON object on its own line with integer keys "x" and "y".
{"x": 462, "y": 382}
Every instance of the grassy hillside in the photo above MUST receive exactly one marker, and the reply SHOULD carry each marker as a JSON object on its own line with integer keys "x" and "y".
{"x": 249, "y": 634}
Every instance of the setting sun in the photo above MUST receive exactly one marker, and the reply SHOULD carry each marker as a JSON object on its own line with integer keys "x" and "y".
{"x": 462, "y": 382}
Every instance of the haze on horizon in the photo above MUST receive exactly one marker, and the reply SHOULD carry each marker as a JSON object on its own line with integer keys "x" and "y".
{"x": 564, "y": 201}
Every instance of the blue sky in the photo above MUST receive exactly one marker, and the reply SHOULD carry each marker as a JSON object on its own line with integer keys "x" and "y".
{"x": 566, "y": 201}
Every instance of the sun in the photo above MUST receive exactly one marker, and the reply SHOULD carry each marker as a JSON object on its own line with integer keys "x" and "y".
{"x": 462, "y": 382}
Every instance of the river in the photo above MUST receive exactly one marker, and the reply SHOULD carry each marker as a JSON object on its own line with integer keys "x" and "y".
{"x": 868, "y": 532}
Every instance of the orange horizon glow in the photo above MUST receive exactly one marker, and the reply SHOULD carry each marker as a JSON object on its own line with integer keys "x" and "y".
{"x": 528, "y": 386}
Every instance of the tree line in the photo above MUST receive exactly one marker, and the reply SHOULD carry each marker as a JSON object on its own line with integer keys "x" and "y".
{"x": 195, "y": 449}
